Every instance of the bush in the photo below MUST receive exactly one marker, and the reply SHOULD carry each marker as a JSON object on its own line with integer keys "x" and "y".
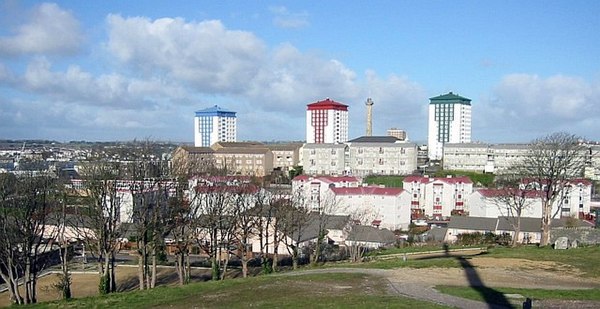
{"x": 471, "y": 239}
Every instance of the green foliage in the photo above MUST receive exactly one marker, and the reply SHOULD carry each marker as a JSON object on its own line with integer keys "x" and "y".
{"x": 471, "y": 239}
{"x": 478, "y": 179}
{"x": 103, "y": 286}
{"x": 388, "y": 181}
{"x": 63, "y": 286}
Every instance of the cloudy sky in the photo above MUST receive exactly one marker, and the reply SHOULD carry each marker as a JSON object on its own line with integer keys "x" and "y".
{"x": 119, "y": 70}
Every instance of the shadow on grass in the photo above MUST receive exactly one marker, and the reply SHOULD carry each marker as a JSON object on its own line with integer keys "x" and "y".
{"x": 493, "y": 298}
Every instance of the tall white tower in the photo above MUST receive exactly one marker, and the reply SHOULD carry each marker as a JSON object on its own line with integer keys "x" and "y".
{"x": 214, "y": 124}
{"x": 326, "y": 122}
{"x": 369, "y": 104}
{"x": 449, "y": 122}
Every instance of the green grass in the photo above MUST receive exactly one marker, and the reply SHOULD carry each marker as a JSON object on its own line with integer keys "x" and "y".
{"x": 586, "y": 259}
{"x": 442, "y": 262}
{"x": 536, "y": 294}
{"x": 331, "y": 290}
{"x": 388, "y": 181}
{"x": 485, "y": 180}
{"x": 384, "y": 252}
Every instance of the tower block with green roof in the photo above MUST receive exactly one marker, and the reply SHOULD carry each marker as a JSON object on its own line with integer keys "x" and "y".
{"x": 449, "y": 122}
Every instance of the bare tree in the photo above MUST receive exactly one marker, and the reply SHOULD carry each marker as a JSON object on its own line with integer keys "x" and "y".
{"x": 294, "y": 218}
{"x": 243, "y": 203}
{"x": 551, "y": 162}
{"x": 26, "y": 201}
{"x": 100, "y": 218}
{"x": 214, "y": 224}
{"x": 513, "y": 198}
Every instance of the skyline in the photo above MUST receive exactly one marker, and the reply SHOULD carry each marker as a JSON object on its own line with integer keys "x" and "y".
{"x": 120, "y": 71}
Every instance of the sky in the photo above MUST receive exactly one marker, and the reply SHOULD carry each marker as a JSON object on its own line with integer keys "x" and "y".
{"x": 123, "y": 70}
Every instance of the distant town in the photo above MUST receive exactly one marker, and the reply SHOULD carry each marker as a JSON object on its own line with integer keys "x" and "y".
{"x": 331, "y": 197}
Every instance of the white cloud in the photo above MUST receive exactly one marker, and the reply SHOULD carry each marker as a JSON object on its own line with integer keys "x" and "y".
{"x": 527, "y": 106}
{"x": 283, "y": 18}
{"x": 49, "y": 30}
{"x": 204, "y": 55}
{"x": 78, "y": 86}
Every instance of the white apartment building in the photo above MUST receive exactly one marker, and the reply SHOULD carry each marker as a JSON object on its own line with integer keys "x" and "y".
{"x": 449, "y": 122}
{"x": 574, "y": 202}
{"x": 381, "y": 155}
{"x": 324, "y": 159}
{"x": 326, "y": 122}
{"x": 437, "y": 198}
{"x": 315, "y": 190}
{"x": 214, "y": 124}
{"x": 386, "y": 207}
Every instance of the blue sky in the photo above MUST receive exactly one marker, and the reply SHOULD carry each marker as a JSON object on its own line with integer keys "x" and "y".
{"x": 119, "y": 70}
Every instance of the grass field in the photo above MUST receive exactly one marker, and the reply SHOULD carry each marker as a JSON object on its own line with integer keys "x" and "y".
{"x": 586, "y": 259}
{"x": 536, "y": 294}
{"x": 388, "y": 181}
{"x": 303, "y": 291}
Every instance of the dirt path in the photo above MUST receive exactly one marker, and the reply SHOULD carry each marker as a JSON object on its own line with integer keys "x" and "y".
{"x": 489, "y": 273}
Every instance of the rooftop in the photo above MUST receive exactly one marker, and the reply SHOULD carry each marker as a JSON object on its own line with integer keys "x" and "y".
{"x": 215, "y": 110}
{"x": 450, "y": 98}
{"x": 327, "y": 104}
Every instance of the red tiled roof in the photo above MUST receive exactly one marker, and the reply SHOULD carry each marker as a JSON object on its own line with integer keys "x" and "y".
{"x": 367, "y": 191}
{"x": 491, "y": 193}
{"x": 327, "y": 104}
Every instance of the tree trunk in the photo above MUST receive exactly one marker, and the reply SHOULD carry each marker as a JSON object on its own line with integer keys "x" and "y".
{"x": 244, "y": 264}
{"x": 153, "y": 281}
{"x": 141, "y": 266}
{"x": 546, "y": 217}
{"x": 295, "y": 257}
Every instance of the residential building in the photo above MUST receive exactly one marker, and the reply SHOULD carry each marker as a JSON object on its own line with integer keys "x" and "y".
{"x": 380, "y": 155}
{"x": 573, "y": 202}
{"x": 437, "y": 198}
{"x": 324, "y": 159}
{"x": 214, "y": 124}
{"x": 247, "y": 159}
{"x": 285, "y": 156}
{"x": 449, "y": 122}
{"x": 397, "y": 133}
{"x": 370, "y": 237}
{"x": 326, "y": 122}
{"x": 188, "y": 160}
{"x": 315, "y": 190}
{"x": 530, "y": 227}
{"x": 385, "y": 207}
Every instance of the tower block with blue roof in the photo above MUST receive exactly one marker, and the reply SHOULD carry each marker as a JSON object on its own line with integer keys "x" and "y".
{"x": 214, "y": 124}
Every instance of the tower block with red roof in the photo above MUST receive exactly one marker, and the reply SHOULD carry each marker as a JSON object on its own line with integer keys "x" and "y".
{"x": 326, "y": 122}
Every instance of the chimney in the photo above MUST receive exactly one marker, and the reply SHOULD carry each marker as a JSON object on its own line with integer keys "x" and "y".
{"x": 369, "y": 104}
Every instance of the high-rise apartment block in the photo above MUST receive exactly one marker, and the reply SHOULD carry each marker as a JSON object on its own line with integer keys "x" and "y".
{"x": 326, "y": 122}
{"x": 214, "y": 124}
{"x": 397, "y": 133}
{"x": 449, "y": 122}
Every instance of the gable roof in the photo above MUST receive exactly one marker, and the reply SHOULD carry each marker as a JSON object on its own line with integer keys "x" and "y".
{"x": 374, "y": 190}
{"x": 367, "y": 233}
{"x": 311, "y": 230}
{"x": 472, "y": 223}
